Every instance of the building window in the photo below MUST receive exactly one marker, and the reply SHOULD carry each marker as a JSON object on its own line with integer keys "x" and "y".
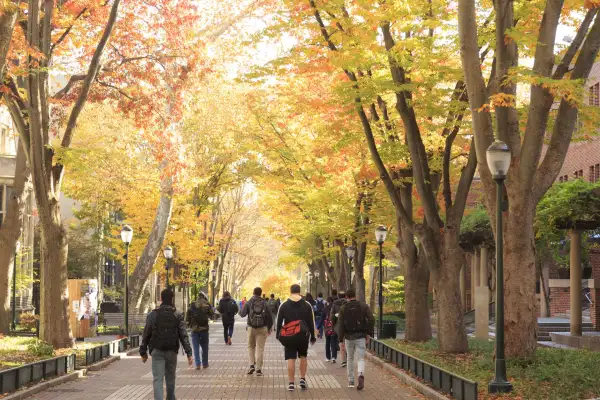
{"x": 563, "y": 178}
{"x": 595, "y": 173}
{"x": 578, "y": 174}
{"x": 595, "y": 95}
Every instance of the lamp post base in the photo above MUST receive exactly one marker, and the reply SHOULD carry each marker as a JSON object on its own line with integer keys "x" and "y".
{"x": 500, "y": 387}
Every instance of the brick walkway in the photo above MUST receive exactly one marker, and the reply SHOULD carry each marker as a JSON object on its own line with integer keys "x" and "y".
{"x": 130, "y": 379}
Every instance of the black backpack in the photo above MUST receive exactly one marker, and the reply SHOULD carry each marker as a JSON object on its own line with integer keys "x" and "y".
{"x": 355, "y": 318}
{"x": 319, "y": 307}
{"x": 232, "y": 308}
{"x": 165, "y": 332}
{"x": 273, "y": 306}
{"x": 199, "y": 316}
{"x": 257, "y": 316}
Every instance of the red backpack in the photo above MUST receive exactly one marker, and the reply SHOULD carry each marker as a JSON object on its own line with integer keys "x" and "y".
{"x": 294, "y": 333}
{"x": 329, "y": 331}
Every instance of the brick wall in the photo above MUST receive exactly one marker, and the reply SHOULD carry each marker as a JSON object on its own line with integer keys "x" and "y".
{"x": 559, "y": 301}
{"x": 595, "y": 308}
{"x": 594, "y": 257}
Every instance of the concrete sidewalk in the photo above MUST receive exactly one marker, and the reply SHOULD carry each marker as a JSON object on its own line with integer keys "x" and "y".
{"x": 226, "y": 378}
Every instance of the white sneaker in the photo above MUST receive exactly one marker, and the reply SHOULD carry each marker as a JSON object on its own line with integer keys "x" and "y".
{"x": 328, "y": 360}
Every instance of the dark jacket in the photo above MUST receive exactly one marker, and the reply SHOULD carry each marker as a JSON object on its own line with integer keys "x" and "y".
{"x": 246, "y": 311}
{"x": 228, "y": 308}
{"x": 296, "y": 309}
{"x": 335, "y": 311}
{"x": 146, "y": 346}
{"x": 200, "y": 303}
{"x": 365, "y": 312}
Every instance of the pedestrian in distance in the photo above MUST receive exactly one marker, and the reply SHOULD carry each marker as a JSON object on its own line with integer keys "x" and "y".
{"x": 244, "y": 302}
{"x": 331, "y": 337}
{"x": 260, "y": 324}
{"x": 356, "y": 326}
{"x": 295, "y": 330}
{"x": 319, "y": 308}
{"x": 198, "y": 316}
{"x": 335, "y": 311}
{"x": 273, "y": 306}
{"x": 228, "y": 309}
{"x": 163, "y": 334}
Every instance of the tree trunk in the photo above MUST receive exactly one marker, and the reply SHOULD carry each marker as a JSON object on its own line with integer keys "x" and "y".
{"x": 519, "y": 281}
{"x": 54, "y": 321}
{"x": 8, "y": 17}
{"x": 359, "y": 272}
{"x": 155, "y": 242}
{"x": 452, "y": 335}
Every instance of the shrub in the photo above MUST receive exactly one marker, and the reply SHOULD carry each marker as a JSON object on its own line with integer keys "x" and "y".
{"x": 28, "y": 321}
{"x": 41, "y": 349}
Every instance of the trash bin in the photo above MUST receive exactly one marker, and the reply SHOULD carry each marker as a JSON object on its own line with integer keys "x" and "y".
{"x": 389, "y": 329}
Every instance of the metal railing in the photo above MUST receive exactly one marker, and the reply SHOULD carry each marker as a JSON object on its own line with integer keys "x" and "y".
{"x": 447, "y": 382}
{"x": 15, "y": 378}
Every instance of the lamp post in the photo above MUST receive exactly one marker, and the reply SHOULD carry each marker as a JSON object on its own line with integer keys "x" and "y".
{"x": 350, "y": 251}
{"x": 498, "y": 160}
{"x": 214, "y": 282}
{"x": 14, "y": 287}
{"x": 308, "y": 280}
{"x": 126, "y": 237}
{"x": 168, "y": 253}
{"x": 380, "y": 235}
{"x": 316, "y": 280}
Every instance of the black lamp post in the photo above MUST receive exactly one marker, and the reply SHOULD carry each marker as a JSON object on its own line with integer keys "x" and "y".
{"x": 127, "y": 236}
{"x": 168, "y": 253}
{"x": 316, "y": 280}
{"x": 350, "y": 251}
{"x": 214, "y": 285}
{"x": 14, "y": 287}
{"x": 380, "y": 235}
{"x": 498, "y": 160}
{"x": 308, "y": 280}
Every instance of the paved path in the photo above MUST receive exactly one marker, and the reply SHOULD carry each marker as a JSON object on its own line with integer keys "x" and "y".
{"x": 226, "y": 378}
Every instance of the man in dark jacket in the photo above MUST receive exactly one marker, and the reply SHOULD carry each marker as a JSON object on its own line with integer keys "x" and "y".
{"x": 335, "y": 311}
{"x": 163, "y": 333}
{"x": 260, "y": 324}
{"x": 228, "y": 309}
{"x": 198, "y": 316}
{"x": 356, "y": 325}
{"x": 297, "y": 309}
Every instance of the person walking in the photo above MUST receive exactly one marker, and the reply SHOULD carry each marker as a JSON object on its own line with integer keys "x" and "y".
{"x": 295, "y": 329}
{"x": 198, "y": 316}
{"x": 228, "y": 309}
{"x": 335, "y": 311}
{"x": 356, "y": 326}
{"x": 331, "y": 337}
{"x": 319, "y": 308}
{"x": 163, "y": 334}
{"x": 273, "y": 306}
{"x": 260, "y": 323}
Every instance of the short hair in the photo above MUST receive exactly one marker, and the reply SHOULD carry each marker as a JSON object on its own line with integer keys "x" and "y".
{"x": 257, "y": 291}
{"x": 226, "y": 294}
{"x": 334, "y": 292}
{"x": 272, "y": 296}
{"x": 351, "y": 293}
{"x": 319, "y": 294}
{"x": 295, "y": 289}
{"x": 166, "y": 296}
{"x": 330, "y": 299}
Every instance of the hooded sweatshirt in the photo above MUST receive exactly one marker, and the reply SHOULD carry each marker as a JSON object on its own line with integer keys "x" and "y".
{"x": 296, "y": 309}
{"x": 228, "y": 309}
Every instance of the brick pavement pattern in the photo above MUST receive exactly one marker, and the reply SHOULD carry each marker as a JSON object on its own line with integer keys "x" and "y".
{"x": 130, "y": 379}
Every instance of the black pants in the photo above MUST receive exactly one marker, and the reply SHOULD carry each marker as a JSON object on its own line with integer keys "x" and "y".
{"x": 331, "y": 347}
{"x": 227, "y": 330}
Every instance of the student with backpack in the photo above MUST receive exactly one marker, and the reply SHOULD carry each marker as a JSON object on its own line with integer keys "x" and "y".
{"x": 273, "y": 306}
{"x": 319, "y": 308}
{"x": 334, "y": 314}
{"x": 260, "y": 323}
{"x": 331, "y": 337}
{"x": 198, "y": 316}
{"x": 295, "y": 329}
{"x": 228, "y": 309}
{"x": 356, "y": 325}
{"x": 163, "y": 333}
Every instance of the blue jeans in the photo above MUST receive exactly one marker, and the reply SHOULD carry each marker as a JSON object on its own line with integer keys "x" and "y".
{"x": 164, "y": 365}
{"x": 200, "y": 340}
{"x": 355, "y": 351}
{"x": 227, "y": 330}
{"x": 320, "y": 324}
{"x": 331, "y": 347}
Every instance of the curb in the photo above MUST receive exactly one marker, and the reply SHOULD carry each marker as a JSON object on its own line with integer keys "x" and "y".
{"x": 40, "y": 387}
{"x": 101, "y": 364}
{"x": 132, "y": 351}
{"x": 419, "y": 386}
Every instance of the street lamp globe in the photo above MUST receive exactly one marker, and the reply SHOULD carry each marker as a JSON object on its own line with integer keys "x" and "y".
{"x": 498, "y": 159}
{"x": 17, "y": 247}
{"x": 317, "y": 273}
{"x": 168, "y": 252}
{"x": 126, "y": 234}
{"x": 350, "y": 251}
{"x": 380, "y": 234}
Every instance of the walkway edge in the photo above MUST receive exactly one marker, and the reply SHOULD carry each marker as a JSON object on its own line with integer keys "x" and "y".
{"x": 40, "y": 387}
{"x": 101, "y": 364}
{"x": 408, "y": 380}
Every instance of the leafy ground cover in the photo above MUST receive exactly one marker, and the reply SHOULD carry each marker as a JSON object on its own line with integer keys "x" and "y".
{"x": 19, "y": 350}
{"x": 552, "y": 375}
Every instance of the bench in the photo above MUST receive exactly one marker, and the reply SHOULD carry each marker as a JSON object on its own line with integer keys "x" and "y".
{"x": 118, "y": 319}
